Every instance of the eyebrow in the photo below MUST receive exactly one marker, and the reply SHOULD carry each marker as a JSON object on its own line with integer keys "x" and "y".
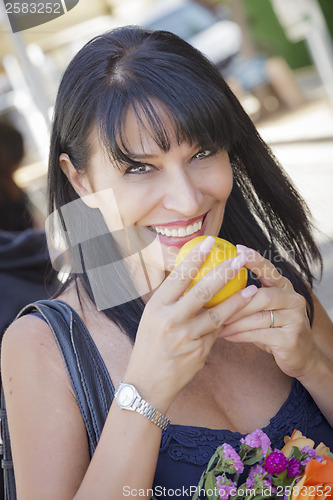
{"x": 140, "y": 156}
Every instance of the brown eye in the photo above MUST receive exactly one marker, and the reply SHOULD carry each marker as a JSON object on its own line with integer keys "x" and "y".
{"x": 202, "y": 154}
{"x": 139, "y": 169}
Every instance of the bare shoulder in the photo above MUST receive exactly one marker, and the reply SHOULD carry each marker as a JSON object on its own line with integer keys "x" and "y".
{"x": 37, "y": 386}
{"x": 30, "y": 337}
{"x": 29, "y": 327}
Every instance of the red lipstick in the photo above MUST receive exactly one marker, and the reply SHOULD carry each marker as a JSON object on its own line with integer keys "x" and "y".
{"x": 180, "y": 223}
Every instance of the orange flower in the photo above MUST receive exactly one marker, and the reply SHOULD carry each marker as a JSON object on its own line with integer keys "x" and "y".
{"x": 317, "y": 482}
{"x": 323, "y": 451}
{"x": 298, "y": 440}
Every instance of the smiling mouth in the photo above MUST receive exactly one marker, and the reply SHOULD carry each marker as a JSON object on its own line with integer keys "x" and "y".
{"x": 180, "y": 232}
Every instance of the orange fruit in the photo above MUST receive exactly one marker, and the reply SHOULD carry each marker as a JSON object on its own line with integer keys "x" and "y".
{"x": 221, "y": 251}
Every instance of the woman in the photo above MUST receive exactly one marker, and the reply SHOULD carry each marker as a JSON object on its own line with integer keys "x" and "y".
{"x": 14, "y": 203}
{"x": 147, "y": 135}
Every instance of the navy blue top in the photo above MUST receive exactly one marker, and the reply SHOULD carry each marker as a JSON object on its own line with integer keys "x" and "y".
{"x": 186, "y": 450}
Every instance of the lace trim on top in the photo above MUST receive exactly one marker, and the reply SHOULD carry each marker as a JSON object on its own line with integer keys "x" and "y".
{"x": 195, "y": 445}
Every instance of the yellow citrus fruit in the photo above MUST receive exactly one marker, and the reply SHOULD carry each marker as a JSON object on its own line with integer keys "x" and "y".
{"x": 221, "y": 251}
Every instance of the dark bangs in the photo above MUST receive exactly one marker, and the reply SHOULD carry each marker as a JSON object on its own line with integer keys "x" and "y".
{"x": 153, "y": 71}
{"x": 196, "y": 107}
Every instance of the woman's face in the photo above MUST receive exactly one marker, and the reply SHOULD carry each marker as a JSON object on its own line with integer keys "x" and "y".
{"x": 169, "y": 197}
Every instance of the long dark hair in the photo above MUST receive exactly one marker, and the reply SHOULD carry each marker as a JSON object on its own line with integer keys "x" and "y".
{"x": 135, "y": 67}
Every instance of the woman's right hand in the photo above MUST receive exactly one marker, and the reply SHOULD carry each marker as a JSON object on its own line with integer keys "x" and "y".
{"x": 175, "y": 334}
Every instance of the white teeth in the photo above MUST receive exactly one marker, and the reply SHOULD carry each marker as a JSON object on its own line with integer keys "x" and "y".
{"x": 190, "y": 230}
{"x": 181, "y": 232}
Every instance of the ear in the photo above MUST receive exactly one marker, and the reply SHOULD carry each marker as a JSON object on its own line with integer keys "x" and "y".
{"x": 78, "y": 180}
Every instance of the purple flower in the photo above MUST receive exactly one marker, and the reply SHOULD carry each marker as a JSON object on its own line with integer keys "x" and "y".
{"x": 309, "y": 451}
{"x": 232, "y": 455}
{"x": 311, "y": 455}
{"x": 226, "y": 487}
{"x": 250, "y": 482}
{"x": 256, "y": 473}
{"x": 276, "y": 462}
{"x": 294, "y": 467}
{"x": 257, "y": 439}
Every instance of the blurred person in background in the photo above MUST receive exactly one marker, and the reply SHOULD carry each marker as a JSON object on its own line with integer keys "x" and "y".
{"x": 25, "y": 272}
{"x": 24, "y": 257}
{"x": 14, "y": 203}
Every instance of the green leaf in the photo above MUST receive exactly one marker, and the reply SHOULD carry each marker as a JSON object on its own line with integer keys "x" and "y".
{"x": 253, "y": 460}
{"x": 276, "y": 481}
{"x": 214, "y": 458}
{"x": 200, "y": 485}
{"x": 196, "y": 494}
{"x": 219, "y": 466}
{"x": 284, "y": 475}
{"x": 210, "y": 484}
{"x": 295, "y": 452}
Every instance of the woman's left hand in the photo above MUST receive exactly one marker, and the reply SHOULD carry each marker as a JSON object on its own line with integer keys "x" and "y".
{"x": 275, "y": 319}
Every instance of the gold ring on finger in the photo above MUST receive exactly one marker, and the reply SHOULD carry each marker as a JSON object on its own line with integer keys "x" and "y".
{"x": 272, "y": 319}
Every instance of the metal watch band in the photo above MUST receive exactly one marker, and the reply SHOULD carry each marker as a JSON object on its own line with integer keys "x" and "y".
{"x": 136, "y": 403}
{"x": 152, "y": 414}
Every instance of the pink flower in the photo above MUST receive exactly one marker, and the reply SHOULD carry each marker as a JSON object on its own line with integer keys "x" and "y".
{"x": 232, "y": 455}
{"x": 257, "y": 439}
{"x": 226, "y": 487}
{"x": 276, "y": 462}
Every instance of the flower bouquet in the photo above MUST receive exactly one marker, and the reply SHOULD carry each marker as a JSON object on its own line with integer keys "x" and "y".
{"x": 298, "y": 471}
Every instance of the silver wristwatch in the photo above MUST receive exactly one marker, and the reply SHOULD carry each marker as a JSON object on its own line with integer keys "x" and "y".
{"x": 128, "y": 398}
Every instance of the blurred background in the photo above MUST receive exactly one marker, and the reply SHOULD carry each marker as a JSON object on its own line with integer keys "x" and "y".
{"x": 276, "y": 55}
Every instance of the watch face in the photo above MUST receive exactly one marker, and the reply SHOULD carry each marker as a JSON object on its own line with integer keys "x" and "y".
{"x": 126, "y": 395}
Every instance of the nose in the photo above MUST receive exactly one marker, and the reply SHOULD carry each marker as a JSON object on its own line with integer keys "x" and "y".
{"x": 182, "y": 194}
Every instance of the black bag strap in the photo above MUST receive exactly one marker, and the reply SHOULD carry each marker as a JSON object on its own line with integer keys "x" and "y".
{"x": 90, "y": 379}
{"x": 5, "y": 450}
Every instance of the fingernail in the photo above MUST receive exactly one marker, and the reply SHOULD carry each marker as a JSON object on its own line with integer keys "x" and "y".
{"x": 249, "y": 291}
{"x": 207, "y": 244}
{"x": 242, "y": 249}
{"x": 239, "y": 261}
